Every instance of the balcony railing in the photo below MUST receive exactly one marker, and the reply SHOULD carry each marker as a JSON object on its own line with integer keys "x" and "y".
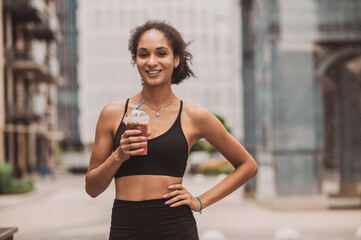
{"x": 46, "y": 30}
{"x": 24, "y": 117}
{"x": 31, "y": 67}
{"x": 26, "y": 10}
{"x": 42, "y": 31}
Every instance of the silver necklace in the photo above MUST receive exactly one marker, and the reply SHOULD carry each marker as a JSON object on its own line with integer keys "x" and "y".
{"x": 157, "y": 110}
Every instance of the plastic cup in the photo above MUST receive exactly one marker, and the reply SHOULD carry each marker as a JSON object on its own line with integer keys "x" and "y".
{"x": 138, "y": 120}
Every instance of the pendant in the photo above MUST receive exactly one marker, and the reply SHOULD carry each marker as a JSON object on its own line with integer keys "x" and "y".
{"x": 157, "y": 113}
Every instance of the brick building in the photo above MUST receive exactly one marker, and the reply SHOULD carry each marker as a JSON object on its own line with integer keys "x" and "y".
{"x": 30, "y": 33}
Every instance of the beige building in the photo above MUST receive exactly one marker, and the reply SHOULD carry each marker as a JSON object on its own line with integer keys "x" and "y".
{"x": 28, "y": 98}
{"x": 105, "y": 73}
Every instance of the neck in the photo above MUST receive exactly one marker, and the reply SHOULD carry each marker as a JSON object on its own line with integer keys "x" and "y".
{"x": 156, "y": 97}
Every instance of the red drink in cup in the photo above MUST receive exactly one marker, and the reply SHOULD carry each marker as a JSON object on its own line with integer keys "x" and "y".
{"x": 138, "y": 120}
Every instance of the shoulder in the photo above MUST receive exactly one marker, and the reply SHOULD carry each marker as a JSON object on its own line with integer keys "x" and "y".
{"x": 196, "y": 112}
{"x": 113, "y": 108}
{"x": 202, "y": 120}
{"x": 199, "y": 117}
{"x": 111, "y": 114}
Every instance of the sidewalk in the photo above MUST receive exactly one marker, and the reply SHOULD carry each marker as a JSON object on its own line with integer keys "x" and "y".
{"x": 60, "y": 209}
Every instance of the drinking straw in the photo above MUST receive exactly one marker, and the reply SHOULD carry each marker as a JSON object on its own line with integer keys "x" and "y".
{"x": 140, "y": 105}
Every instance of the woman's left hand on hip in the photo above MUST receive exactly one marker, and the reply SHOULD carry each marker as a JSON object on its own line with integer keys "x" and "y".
{"x": 180, "y": 196}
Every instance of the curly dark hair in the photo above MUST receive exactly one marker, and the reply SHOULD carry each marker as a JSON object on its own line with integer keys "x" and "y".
{"x": 176, "y": 41}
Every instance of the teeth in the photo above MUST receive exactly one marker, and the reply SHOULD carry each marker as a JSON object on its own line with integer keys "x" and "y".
{"x": 153, "y": 72}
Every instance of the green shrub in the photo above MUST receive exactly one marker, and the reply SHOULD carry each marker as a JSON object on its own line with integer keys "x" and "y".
{"x": 22, "y": 186}
{"x": 216, "y": 168}
{"x": 203, "y": 145}
{"x": 6, "y": 175}
{"x": 199, "y": 146}
{"x": 10, "y": 185}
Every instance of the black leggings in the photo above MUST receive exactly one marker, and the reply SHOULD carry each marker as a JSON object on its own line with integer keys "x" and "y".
{"x": 151, "y": 219}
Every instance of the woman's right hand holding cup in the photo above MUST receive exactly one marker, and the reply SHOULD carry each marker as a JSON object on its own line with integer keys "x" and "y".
{"x": 131, "y": 144}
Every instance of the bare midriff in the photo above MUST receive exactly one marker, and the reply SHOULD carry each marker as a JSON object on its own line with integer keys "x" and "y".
{"x": 144, "y": 187}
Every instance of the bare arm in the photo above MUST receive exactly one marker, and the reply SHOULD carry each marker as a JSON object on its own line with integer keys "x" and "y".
{"x": 103, "y": 163}
{"x": 245, "y": 166}
{"x": 203, "y": 124}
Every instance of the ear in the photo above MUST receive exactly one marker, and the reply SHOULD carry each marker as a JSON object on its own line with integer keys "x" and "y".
{"x": 176, "y": 61}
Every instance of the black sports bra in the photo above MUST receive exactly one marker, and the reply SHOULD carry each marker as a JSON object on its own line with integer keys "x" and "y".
{"x": 167, "y": 153}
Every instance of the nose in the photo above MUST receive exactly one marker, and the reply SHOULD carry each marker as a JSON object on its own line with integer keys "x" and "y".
{"x": 152, "y": 61}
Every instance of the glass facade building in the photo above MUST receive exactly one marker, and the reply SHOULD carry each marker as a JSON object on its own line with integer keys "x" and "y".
{"x": 68, "y": 88}
{"x": 301, "y": 71}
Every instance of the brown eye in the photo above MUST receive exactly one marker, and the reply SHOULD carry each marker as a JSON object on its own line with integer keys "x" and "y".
{"x": 142, "y": 55}
{"x": 162, "y": 54}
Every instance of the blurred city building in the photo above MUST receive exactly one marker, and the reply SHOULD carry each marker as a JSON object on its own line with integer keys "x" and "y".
{"x": 68, "y": 111}
{"x": 302, "y": 98}
{"x": 105, "y": 70}
{"x": 30, "y": 33}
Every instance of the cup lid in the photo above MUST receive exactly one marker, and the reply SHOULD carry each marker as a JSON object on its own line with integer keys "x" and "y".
{"x": 136, "y": 115}
{"x": 139, "y": 113}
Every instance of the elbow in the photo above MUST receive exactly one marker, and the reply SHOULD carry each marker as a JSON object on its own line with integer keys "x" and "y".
{"x": 254, "y": 168}
{"x": 89, "y": 190}
{"x": 250, "y": 167}
{"x": 91, "y": 193}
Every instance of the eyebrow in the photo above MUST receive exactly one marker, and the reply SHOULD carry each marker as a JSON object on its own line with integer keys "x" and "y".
{"x": 158, "y": 48}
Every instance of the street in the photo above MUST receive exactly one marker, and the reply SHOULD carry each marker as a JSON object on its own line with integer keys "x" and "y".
{"x": 60, "y": 209}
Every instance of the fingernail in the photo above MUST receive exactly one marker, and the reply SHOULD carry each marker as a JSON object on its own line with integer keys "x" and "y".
{"x": 138, "y": 131}
{"x": 171, "y": 186}
{"x": 164, "y": 196}
{"x": 167, "y": 202}
{"x": 145, "y": 143}
{"x": 141, "y": 150}
{"x": 144, "y": 138}
{"x": 172, "y": 205}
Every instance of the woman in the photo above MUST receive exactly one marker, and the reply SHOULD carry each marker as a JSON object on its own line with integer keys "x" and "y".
{"x": 151, "y": 202}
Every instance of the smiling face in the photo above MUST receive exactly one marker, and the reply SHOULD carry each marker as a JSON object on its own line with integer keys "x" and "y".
{"x": 155, "y": 59}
